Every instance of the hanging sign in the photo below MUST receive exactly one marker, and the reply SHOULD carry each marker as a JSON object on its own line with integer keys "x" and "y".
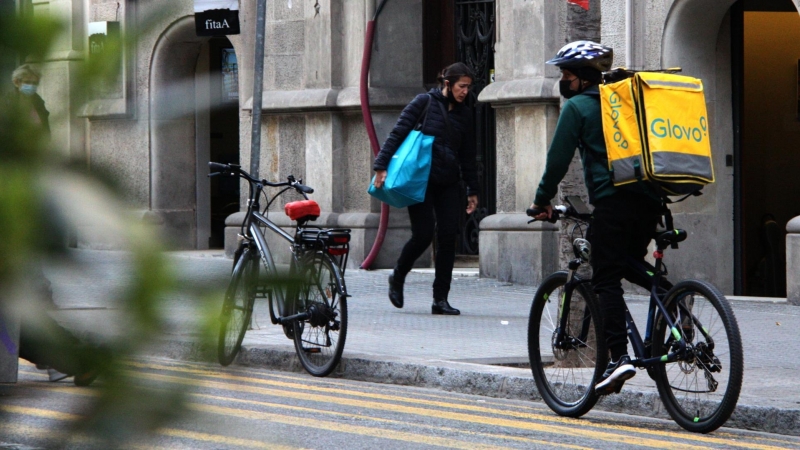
{"x": 582, "y": 3}
{"x": 216, "y": 17}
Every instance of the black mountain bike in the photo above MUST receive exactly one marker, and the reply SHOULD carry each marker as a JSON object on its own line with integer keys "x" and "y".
{"x": 312, "y": 310}
{"x": 691, "y": 347}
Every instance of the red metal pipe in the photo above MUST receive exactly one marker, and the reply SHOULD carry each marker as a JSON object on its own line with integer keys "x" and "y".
{"x": 373, "y": 138}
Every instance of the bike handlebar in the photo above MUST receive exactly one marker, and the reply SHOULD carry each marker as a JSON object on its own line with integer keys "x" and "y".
{"x": 558, "y": 211}
{"x": 234, "y": 170}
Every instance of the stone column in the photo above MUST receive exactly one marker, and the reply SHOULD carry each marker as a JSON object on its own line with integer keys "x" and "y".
{"x": 527, "y": 99}
{"x": 793, "y": 261}
{"x": 395, "y": 78}
{"x": 63, "y": 96}
{"x": 312, "y": 124}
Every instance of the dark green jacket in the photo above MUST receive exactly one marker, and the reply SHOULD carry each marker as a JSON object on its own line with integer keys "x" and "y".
{"x": 580, "y": 126}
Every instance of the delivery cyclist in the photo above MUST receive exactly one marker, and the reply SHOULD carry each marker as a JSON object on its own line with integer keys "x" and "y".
{"x": 624, "y": 217}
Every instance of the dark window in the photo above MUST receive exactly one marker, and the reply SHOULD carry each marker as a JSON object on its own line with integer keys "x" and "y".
{"x": 438, "y": 37}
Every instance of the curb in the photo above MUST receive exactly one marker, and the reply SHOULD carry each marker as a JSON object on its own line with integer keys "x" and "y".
{"x": 476, "y": 379}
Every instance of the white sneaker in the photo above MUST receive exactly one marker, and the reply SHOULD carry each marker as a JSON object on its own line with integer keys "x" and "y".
{"x": 615, "y": 376}
{"x": 56, "y": 375}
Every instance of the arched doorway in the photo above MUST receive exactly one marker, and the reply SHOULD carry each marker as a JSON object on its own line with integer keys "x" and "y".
{"x": 194, "y": 118}
{"x": 746, "y": 52}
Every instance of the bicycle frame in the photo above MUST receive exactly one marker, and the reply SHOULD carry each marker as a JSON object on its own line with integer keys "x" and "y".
{"x": 640, "y": 349}
{"x": 312, "y": 308}
{"x": 676, "y": 350}
{"x": 254, "y": 219}
{"x": 640, "y": 346}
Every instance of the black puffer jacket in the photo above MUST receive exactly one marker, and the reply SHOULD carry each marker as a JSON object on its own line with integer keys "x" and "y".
{"x": 453, "y": 156}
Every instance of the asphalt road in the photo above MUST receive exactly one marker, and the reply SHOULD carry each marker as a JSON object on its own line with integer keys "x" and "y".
{"x": 239, "y": 407}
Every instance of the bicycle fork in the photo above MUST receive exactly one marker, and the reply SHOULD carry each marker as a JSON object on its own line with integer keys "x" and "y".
{"x": 562, "y": 341}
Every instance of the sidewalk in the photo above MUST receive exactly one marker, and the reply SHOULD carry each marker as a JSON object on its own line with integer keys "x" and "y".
{"x": 483, "y": 351}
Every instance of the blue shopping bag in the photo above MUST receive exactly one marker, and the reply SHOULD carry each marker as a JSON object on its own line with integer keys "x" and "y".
{"x": 408, "y": 171}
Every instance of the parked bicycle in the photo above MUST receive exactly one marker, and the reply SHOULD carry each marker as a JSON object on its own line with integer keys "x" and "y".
{"x": 691, "y": 347}
{"x": 313, "y": 310}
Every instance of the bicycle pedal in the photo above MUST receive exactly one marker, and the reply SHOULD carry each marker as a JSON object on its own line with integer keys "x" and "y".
{"x": 312, "y": 350}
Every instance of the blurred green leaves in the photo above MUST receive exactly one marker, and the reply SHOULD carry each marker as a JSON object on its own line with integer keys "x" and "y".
{"x": 45, "y": 197}
{"x": 28, "y": 38}
{"x": 22, "y": 151}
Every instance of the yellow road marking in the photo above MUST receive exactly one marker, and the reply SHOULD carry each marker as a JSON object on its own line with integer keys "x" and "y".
{"x": 382, "y": 420}
{"x": 462, "y": 417}
{"x": 173, "y": 432}
{"x": 61, "y": 436}
{"x": 367, "y": 386}
{"x": 38, "y": 412}
{"x": 339, "y": 391}
{"x": 473, "y": 408}
{"x": 410, "y": 410}
{"x": 342, "y": 428}
{"x": 298, "y": 420}
{"x": 205, "y": 437}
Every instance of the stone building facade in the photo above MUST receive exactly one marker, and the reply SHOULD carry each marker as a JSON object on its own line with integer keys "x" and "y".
{"x": 169, "y": 115}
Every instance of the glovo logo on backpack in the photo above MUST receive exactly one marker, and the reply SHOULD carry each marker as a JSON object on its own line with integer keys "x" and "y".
{"x": 656, "y": 129}
{"x": 621, "y": 131}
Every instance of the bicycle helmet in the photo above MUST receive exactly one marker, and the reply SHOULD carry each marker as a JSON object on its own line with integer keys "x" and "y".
{"x": 584, "y": 54}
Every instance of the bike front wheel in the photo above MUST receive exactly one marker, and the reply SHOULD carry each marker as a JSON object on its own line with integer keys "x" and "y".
{"x": 699, "y": 390}
{"x": 565, "y": 369}
{"x": 237, "y": 307}
{"x": 319, "y": 340}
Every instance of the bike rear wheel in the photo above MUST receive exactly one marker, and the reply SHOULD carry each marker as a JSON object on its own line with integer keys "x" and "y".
{"x": 565, "y": 371}
{"x": 237, "y": 308}
{"x": 701, "y": 389}
{"x": 319, "y": 340}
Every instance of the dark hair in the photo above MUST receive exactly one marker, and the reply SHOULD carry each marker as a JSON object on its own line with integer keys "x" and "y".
{"x": 454, "y": 72}
{"x": 589, "y": 74}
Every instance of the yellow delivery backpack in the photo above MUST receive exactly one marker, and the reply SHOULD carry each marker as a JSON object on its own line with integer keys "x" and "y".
{"x": 656, "y": 130}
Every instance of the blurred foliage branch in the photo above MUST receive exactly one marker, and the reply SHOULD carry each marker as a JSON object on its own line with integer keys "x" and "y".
{"x": 45, "y": 197}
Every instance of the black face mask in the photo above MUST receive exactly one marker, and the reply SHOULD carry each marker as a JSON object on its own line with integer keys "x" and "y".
{"x": 566, "y": 92}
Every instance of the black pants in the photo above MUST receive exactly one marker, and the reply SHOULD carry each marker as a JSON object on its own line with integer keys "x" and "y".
{"x": 622, "y": 228}
{"x": 43, "y": 341}
{"x": 439, "y": 212}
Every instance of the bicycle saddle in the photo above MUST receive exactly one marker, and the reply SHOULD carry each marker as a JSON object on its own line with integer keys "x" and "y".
{"x": 302, "y": 210}
{"x": 670, "y": 237}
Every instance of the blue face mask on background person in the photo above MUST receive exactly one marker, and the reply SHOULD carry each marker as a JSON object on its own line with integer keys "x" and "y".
{"x": 28, "y": 89}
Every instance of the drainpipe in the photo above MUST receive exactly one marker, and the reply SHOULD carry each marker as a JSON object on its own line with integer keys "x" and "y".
{"x": 370, "y": 13}
{"x": 258, "y": 87}
{"x": 367, "y": 113}
{"x": 629, "y": 34}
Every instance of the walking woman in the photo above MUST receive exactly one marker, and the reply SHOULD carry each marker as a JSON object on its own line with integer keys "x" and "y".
{"x": 450, "y": 121}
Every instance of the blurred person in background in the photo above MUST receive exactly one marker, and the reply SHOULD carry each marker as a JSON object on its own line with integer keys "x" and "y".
{"x": 25, "y": 99}
{"x": 42, "y": 340}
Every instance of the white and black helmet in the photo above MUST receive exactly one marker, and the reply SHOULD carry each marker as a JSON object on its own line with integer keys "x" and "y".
{"x": 580, "y": 54}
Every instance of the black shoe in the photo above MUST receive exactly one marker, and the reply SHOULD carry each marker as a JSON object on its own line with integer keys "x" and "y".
{"x": 396, "y": 290}
{"x": 615, "y": 376}
{"x": 442, "y": 307}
